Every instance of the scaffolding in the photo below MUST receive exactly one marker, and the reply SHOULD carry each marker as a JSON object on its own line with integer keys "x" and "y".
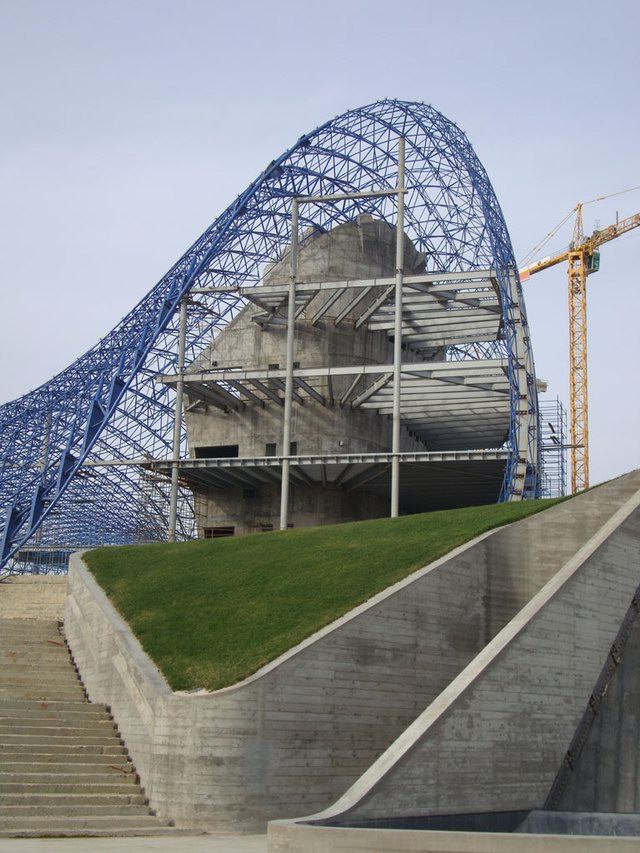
{"x": 553, "y": 435}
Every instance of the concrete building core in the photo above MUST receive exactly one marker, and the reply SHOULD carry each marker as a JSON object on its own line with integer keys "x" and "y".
{"x": 329, "y": 332}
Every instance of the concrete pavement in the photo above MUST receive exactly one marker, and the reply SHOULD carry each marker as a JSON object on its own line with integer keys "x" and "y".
{"x": 216, "y": 843}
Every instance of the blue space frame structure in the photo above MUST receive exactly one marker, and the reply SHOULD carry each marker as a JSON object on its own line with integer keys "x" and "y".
{"x": 108, "y": 405}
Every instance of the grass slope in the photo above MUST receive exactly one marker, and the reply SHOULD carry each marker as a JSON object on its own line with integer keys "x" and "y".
{"x": 210, "y": 613}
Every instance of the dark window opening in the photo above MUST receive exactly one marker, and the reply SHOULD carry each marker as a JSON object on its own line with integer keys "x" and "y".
{"x": 266, "y": 528}
{"x": 249, "y": 494}
{"x": 270, "y": 448}
{"x": 216, "y": 532}
{"x": 293, "y": 448}
{"x": 274, "y": 367}
{"x": 217, "y": 451}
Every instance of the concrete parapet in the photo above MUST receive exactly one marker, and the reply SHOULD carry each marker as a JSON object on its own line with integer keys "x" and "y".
{"x": 288, "y": 837}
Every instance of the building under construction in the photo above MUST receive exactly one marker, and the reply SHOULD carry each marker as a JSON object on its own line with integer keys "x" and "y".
{"x": 454, "y": 416}
{"x": 347, "y": 340}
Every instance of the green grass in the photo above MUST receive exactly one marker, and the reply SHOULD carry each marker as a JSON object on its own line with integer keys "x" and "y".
{"x": 210, "y": 613}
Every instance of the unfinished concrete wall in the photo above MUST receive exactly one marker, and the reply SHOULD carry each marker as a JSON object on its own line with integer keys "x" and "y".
{"x": 363, "y": 249}
{"x": 291, "y": 738}
{"x": 606, "y": 775}
{"x": 495, "y": 738}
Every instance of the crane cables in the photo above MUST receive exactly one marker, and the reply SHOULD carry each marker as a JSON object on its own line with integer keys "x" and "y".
{"x": 539, "y": 246}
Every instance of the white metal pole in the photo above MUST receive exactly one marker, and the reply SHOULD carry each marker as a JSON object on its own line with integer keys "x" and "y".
{"x": 177, "y": 421}
{"x": 288, "y": 394}
{"x": 397, "y": 337}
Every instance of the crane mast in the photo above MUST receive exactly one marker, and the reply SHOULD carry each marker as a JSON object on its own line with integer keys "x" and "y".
{"x": 583, "y": 258}
{"x": 577, "y": 272}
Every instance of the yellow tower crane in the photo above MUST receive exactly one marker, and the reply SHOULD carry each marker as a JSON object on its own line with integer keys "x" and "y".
{"x": 583, "y": 258}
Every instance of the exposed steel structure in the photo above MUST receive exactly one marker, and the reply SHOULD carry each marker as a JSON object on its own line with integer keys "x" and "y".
{"x": 73, "y": 451}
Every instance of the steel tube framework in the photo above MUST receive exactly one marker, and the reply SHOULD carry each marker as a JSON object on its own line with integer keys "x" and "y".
{"x": 109, "y": 405}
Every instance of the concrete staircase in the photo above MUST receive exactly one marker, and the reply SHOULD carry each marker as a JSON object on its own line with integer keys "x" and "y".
{"x": 64, "y": 770}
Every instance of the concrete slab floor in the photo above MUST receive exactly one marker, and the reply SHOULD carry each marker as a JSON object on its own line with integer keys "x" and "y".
{"x": 214, "y": 843}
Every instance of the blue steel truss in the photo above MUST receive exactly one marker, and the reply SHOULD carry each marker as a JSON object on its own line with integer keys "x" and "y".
{"x": 108, "y": 404}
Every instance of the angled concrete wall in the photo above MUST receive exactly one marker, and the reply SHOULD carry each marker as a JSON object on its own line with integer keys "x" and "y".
{"x": 495, "y": 737}
{"x": 606, "y": 775}
{"x": 293, "y": 737}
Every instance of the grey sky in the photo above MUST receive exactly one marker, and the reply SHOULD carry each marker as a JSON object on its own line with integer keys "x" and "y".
{"x": 126, "y": 127}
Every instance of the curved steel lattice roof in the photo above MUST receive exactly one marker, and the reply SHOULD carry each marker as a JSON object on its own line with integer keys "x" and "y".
{"x": 108, "y": 404}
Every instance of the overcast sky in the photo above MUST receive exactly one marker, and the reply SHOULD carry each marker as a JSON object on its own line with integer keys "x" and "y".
{"x": 127, "y": 126}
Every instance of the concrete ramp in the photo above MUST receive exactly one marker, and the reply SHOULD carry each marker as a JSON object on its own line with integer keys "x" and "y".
{"x": 493, "y": 740}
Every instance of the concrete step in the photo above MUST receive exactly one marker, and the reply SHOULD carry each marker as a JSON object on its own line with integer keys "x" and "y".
{"x": 45, "y": 695}
{"x": 54, "y": 706}
{"x": 85, "y": 724}
{"x": 58, "y": 759}
{"x": 98, "y": 732}
{"x": 47, "y": 681}
{"x": 10, "y": 637}
{"x": 62, "y": 767}
{"x": 48, "y": 649}
{"x": 114, "y": 832}
{"x": 43, "y": 654}
{"x": 81, "y": 810}
{"x": 67, "y": 683}
{"x": 60, "y": 740}
{"x": 110, "y": 800}
{"x": 64, "y": 771}
{"x": 10, "y": 687}
{"x": 59, "y": 764}
{"x": 19, "y": 670}
{"x": 82, "y": 713}
{"x": 51, "y": 776}
{"x": 32, "y": 628}
{"x": 29, "y": 625}
{"x": 13, "y": 642}
{"x": 70, "y": 687}
{"x": 11, "y": 824}
{"x": 39, "y": 663}
{"x": 20, "y": 675}
{"x": 70, "y": 750}
{"x": 61, "y": 664}
{"x": 63, "y": 787}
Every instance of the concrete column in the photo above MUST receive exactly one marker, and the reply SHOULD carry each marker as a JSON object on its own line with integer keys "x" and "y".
{"x": 397, "y": 337}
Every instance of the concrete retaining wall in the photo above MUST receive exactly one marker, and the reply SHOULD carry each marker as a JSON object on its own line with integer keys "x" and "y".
{"x": 494, "y": 739}
{"x": 293, "y": 737}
